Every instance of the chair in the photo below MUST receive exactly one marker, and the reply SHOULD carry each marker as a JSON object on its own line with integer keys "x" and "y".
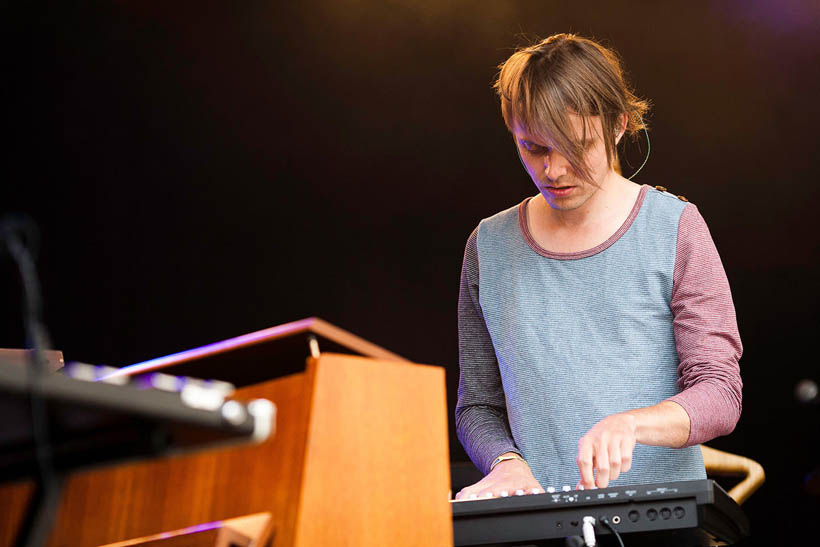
{"x": 725, "y": 464}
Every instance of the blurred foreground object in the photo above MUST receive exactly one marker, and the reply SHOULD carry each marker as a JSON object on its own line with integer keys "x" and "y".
{"x": 360, "y": 455}
{"x": 91, "y": 424}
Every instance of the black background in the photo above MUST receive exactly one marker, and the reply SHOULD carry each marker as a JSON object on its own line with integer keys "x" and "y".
{"x": 200, "y": 170}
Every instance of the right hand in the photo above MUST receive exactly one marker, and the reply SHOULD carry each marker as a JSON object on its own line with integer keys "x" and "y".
{"x": 508, "y": 478}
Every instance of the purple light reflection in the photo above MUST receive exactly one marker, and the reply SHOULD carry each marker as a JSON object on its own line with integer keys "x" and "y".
{"x": 785, "y": 16}
{"x": 191, "y": 529}
{"x": 211, "y": 349}
{"x": 173, "y": 533}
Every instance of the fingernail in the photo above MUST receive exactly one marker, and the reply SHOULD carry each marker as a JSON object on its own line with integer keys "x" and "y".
{"x": 503, "y": 493}
{"x": 519, "y": 492}
{"x": 488, "y": 495}
{"x": 537, "y": 491}
{"x": 473, "y": 496}
{"x": 580, "y": 487}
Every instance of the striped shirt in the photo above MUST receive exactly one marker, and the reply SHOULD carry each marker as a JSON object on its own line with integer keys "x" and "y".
{"x": 551, "y": 343}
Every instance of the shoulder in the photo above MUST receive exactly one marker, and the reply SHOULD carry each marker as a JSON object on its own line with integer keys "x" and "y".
{"x": 501, "y": 225}
{"x": 659, "y": 199}
{"x": 689, "y": 217}
{"x": 674, "y": 212}
{"x": 500, "y": 222}
{"x": 501, "y": 218}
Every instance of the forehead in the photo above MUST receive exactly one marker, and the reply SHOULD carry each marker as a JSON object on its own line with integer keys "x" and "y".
{"x": 581, "y": 129}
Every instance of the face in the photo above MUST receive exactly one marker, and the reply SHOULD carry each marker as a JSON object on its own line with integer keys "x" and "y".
{"x": 557, "y": 181}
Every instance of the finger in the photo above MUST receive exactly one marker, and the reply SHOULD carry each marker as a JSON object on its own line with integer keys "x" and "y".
{"x": 601, "y": 464}
{"x": 614, "y": 461}
{"x": 626, "y": 455}
{"x": 467, "y": 493}
{"x": 585, "y": 463}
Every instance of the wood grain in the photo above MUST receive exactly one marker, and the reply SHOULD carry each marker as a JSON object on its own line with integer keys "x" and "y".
{"x": 359, "y": 458}
{"x": 377, "y": 462}
{"x": 121, "y": 503}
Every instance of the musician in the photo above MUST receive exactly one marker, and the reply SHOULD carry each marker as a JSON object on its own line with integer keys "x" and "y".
{"x": 597, "y": 334}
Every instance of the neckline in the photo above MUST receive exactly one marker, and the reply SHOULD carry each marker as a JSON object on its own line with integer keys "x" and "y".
{"x": 525, "y": 231}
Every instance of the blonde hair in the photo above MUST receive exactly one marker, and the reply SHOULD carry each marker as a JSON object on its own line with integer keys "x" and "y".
{"x": 542, "y": 84}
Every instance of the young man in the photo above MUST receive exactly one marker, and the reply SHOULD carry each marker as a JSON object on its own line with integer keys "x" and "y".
{"x": 597, "y": 333}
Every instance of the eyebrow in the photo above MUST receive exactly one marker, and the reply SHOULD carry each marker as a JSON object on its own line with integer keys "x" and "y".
{"x": 585, "y": 144}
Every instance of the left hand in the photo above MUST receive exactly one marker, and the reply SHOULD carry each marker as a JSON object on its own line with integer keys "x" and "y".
{"x": 605, "y": 451}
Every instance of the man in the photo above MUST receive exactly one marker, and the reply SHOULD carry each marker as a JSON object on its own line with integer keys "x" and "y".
{"x": 597, "y": 333}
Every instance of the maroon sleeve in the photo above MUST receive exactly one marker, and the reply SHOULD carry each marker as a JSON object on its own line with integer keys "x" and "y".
{"x": 706, "y": 334}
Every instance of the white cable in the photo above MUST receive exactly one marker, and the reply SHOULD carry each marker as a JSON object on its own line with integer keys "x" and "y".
{"x": 589, "y": 531}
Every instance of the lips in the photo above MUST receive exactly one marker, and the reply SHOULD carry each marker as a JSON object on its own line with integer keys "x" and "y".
{"x": 559, "y": 191}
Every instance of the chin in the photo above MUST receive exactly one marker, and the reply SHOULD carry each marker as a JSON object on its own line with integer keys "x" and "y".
{"x": 565, "y": 205}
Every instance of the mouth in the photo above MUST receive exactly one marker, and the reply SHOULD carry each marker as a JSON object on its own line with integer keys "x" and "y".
{"x": 559, "y": 191}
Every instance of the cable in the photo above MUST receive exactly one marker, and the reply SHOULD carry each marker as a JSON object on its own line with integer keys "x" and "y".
{"x": 648, "y": 150}
{"x": 605, "y": 522}
{"x": 589, "y": 531}
{"x": 14, "y": 234}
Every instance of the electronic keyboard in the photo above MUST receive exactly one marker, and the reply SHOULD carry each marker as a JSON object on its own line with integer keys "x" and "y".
{"x": 680, "y": 513}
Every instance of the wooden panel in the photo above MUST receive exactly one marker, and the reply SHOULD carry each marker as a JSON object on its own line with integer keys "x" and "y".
{"x": 377, "y": 461}
{"x": 117, "y": 504}
{"x": 247, "y": 531}
{"x": 359, "y": 458}
{"x": 225, "y": 360}
{"x": 14, "y": 500}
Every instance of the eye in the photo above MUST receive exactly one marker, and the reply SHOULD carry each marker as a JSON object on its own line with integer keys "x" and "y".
{"x": 533, "y": 148}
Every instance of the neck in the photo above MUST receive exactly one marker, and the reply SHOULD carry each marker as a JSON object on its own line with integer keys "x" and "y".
{"x": 607, "y": 200}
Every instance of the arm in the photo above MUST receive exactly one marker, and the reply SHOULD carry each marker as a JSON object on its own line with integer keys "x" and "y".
{"x": 481, "y": 411}
{"x": 709, "y": 348}
{"x": 605, "y": 451}
{"x": 706, "y": 334}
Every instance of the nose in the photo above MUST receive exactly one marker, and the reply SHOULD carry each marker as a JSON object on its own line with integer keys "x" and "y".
{"x": 555, "y": 165}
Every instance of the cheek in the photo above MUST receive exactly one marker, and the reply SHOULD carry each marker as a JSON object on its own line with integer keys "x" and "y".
{"x": 528, "y": 165}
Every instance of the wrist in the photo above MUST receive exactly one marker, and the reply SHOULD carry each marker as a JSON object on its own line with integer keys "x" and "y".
{"x": 507, "y": 456}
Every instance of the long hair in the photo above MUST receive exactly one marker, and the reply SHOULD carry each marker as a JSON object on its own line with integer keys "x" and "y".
{"x": 542, "y": 84}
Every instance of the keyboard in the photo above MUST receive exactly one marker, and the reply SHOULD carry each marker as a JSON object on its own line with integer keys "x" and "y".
{"x": 683, "y": 513}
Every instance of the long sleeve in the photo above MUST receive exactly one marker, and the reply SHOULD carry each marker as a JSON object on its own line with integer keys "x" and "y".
{"x": 706, "y": 334}
{"x": 481, "y": 416}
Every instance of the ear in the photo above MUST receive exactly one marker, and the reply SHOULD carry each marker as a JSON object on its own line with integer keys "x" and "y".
{"x": 620, "y": 127}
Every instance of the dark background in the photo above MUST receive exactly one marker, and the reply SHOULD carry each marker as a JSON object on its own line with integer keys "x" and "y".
{"x": 201, "y": 170}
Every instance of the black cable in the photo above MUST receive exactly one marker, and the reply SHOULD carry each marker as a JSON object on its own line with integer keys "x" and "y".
{"x": 16, "y": 233}
{"x": 612, "y": 529}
